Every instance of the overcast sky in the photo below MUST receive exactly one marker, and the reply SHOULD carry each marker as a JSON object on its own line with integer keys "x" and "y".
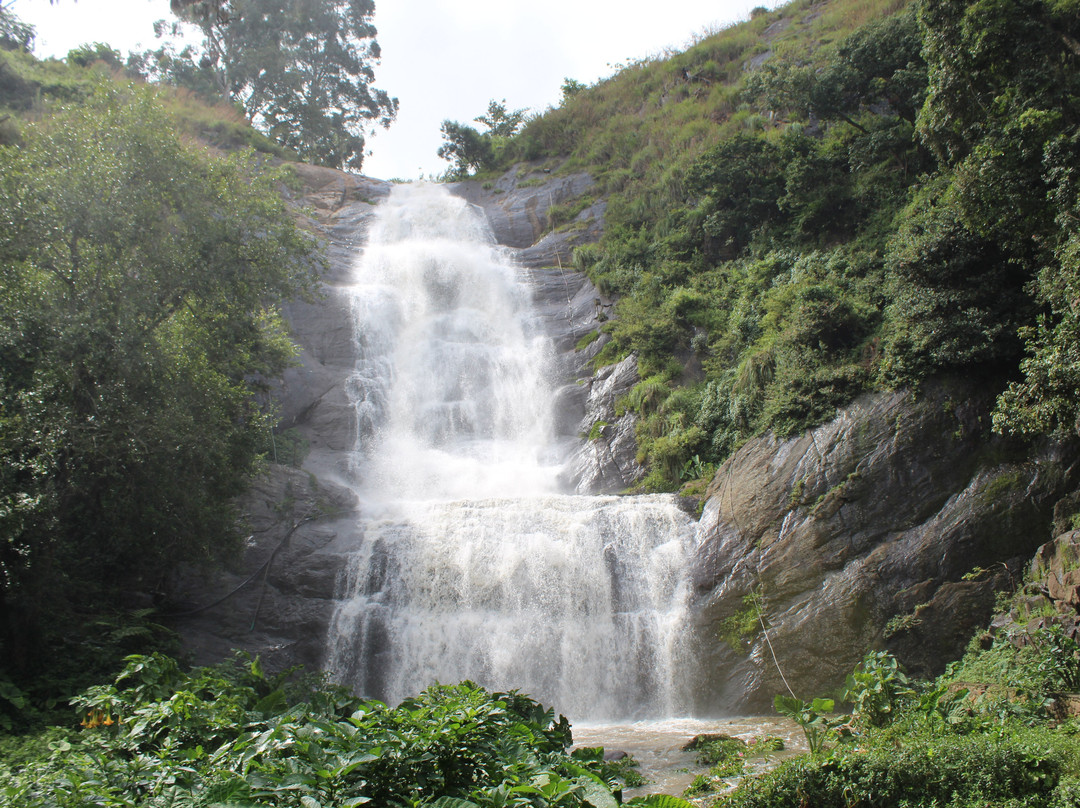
{"x": 444, "y": 58}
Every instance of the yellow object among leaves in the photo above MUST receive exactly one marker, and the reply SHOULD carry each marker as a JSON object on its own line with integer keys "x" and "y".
{"x": 97, "y": 718}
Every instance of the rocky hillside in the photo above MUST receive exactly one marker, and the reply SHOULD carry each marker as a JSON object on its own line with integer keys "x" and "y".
{"x": 891, "y": 525}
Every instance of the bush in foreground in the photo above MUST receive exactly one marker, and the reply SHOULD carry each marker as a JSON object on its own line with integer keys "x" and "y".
{"x": 229, "y": 736}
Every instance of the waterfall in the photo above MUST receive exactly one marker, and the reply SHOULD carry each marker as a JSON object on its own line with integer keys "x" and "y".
{"x": 470, "y": 561}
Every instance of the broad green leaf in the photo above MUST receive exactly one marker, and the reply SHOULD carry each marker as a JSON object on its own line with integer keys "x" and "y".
{"x": 660, "y": 801}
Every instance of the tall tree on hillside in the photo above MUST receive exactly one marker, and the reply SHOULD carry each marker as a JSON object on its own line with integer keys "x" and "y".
{"x": 139, "y": 279}
{"x": 301, "y": 70}
{"x": 469, "y": 150}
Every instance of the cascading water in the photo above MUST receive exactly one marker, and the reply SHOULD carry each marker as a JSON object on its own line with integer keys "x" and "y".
{"x": 471, "y": 562}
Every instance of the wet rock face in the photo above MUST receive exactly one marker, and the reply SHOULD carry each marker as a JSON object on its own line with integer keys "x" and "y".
{"x": 891, "y": 526}
{"x": 606, "y": 459}
{"x": 275, "y": 599}
{"x": 517, "y": 206}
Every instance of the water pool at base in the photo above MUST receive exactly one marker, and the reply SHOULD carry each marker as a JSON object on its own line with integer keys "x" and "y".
{"x": 657, "y": 746}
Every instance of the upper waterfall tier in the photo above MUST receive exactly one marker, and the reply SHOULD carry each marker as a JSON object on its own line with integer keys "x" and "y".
{"x": 453, "y": 387}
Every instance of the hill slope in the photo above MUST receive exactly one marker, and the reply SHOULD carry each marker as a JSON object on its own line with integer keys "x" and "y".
{"x": 829, "y": 199}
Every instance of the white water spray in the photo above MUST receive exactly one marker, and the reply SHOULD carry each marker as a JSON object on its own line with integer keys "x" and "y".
{"x": 470, "y": 563}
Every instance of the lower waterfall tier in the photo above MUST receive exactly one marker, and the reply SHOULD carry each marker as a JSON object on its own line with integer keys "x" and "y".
{"x": 577, "y": 601}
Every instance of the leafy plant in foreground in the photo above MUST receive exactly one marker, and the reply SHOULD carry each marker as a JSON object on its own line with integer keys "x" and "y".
{"x": 812, "y": 717}
{"x": 876, "y": 688}
{"x": 159, "y": 736}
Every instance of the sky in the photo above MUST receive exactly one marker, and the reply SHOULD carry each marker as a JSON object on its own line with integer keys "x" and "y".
{"x": 444, "y": 59}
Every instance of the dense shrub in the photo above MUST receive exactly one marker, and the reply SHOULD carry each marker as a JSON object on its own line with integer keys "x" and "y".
{"x": 159, "y": 736}
{"x": 1021, "y": 769}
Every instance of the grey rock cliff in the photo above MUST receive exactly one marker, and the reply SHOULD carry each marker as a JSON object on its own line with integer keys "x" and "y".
{"x": 901, "y": 513}
{"x": 890, "y": 526}
{"x": 606, "y": 460}
{"x": 517, "y": 206}
{"x": 276, "y": 598}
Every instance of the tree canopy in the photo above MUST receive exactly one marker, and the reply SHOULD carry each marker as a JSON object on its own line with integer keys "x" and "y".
{"x": 137, "y": 320}
{"x": 470, "y": 150}
{"x": 302, "y": 71}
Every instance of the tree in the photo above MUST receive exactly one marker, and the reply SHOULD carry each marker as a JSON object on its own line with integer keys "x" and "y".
{"x": 570, "y": 88}
{"x": 138, "y": 282}
{"x": 957, "y": 301}
{"x": 14, "y": 33}
{"x": 1002, "y": 114}
{"x": 501, "y": 122}
{"x": 301, "y": 70}
{"x": 470, "y": 150}
{"x": 465, "y": 148}
{"x": 740, "y": 181}
{"x": 877, "y": 69}
{"x": 88, "y": 54}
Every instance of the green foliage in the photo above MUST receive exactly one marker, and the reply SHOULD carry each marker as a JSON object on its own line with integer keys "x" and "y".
{"x": 597, "y": 430}
{"x": 1036, "y": 663}
{"x": 891, "y": 195}
{"x": 812, "y": 717}
{"x": 86, "y": 55}
{"x": 766, "y": 744}
{"x": 713, "y": 748}
{"x": 741, "y": 181}
{"x": 587, "y": 340}
{"x": 289, "y": 447}
{"x": 999, "y": 112}
{"x": 140, "y": 278}
{"x": 737, "y": 629}
{"x": 936, "y": 743}
{"x": 726, "y": 757}
{"x": 876, "y": 689}
{"x": 15, "y": 35}
{"x": 302, "y": 71}
{"x": 229, "y": 734}
{"x": 957, "y": 301}
{"x": 1019, "y": 769}
{"x": 760, "y": 257}
{"x": 659, "y": 801}
{"x": 570, "y": 88}
{"x": 467, "y": 150}
{"x": 501, "y": 122}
